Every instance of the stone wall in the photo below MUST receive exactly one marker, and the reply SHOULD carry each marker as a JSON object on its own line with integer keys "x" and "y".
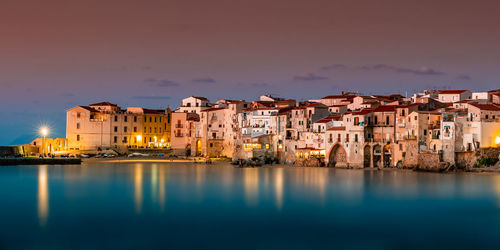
{"x": 428, "y": 161}
{"x": 464, "y": 160}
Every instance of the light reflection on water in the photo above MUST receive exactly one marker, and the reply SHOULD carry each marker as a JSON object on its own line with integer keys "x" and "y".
{"x": 179, "y": 200}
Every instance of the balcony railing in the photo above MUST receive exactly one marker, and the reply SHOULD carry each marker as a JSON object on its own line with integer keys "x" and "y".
{"x": 179, "y": 135}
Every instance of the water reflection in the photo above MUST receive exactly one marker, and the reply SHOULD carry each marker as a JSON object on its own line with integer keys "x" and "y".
{"x": 138, "y": 192}
{"x": 251, "y": 184}
{"x": 278, "y": 187}
{"x": 43, "y": 196}
{"x": 161, "y": 193}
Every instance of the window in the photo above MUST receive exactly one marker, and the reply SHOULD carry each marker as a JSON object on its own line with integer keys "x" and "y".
{"x": 78, "y": 126}
{"x": 356, "y": 137}
{"x": 125, "y": 129}
{"x": 376, "y": 119}
{"x": 116, "y": 118}
{"x": 125, "y": 139}
{"x": 78, "y": 137}
{"x": 356, "y": 121}
{"x": 347, "y": 138}
{"x": 211, "y": 145}
{"x": 125, "y": 118}
{"x": 338, "y": 137}
{"x": 425, "y": 131}
{"x": 486, "y": 116}
{"x": 135, "y": 118}
{"x": 155, "y": 119}
{"x": 135, "y": 129}
{"x": 402, "y": 112}
{"x": 78, "y": 115}
{"x": 145, "y": 119}
{"x": 150, "y": 119}
{"x": 387, "y": 120}
{"x": 116, "y": 129}
{"x": 115, "y": 139}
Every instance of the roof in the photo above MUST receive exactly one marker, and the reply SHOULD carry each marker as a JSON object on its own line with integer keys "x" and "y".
{"x": 316, "y": 104}
{"x": 88, "y": 108}
{"x": 329, "y": 118}
{"x": 338, "y": 96}
{"x": 337, "y": 128}
{"x": 385, "y": 108}
{"x": 153, "y": 111}
{"x": 408, "y": 105}
{"x": 103, "y": 104}
{"x": 201, "y": 98}
{"x": 213, "y": 109}
{"x": 451, "y": 91}
{"x": 491, "y": 107}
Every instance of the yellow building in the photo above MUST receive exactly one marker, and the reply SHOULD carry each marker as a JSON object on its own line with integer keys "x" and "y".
{"x": 104, "y": 126}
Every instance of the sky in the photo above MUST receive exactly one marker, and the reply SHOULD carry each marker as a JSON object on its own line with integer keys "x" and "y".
{"x": 56, "y": 54}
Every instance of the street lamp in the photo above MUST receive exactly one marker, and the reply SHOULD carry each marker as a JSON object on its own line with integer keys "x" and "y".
{"x": 44, "y": 131}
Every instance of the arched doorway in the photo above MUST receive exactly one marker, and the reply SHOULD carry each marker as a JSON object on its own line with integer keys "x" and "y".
{"x": 377, "y": 156}
{"x": 366, "y": 156}
{"x": 338, "y": 156}
{"x": 387, "y": 156}
{"x": 198, "y": 148}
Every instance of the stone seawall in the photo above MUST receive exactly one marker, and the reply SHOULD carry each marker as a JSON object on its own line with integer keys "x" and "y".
{"x": 39, "y": 161}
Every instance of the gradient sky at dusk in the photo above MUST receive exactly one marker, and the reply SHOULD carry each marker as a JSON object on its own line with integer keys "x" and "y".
{"x": 58, "y": 54}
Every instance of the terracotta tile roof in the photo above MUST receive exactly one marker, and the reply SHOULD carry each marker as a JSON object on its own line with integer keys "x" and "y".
{"x": 338, "y": 96}
{"x": 89, "y": 108}
{"x": 153, "y": 111}
{"x": 451, "y": 91}
{"x": 385, "y": 108}
{"x": 200, "y": 98}
{"x": 336, "y": 128}
{"x": 213, "y": 109}
{"x": 328, "y": 119}
{"x": 408, "y": 105}
{"x": 103, "y": 104}
{"x": 491, "y": 107}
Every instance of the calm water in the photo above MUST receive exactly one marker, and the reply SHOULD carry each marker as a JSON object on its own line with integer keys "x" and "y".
{"x": 180, "y": 206}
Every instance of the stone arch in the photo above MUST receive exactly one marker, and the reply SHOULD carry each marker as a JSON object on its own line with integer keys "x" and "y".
{"x": 377, "y": 156}
{"x": 367, "y": 156}
{"x": 338, "y": 156}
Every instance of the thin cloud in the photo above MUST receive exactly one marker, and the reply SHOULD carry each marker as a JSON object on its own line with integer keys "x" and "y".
{"x": 334, "y": 66}
{"x": 309, "y": 77}
{"x": 167, "y": 83}
{"x": 150, "y": 80}
{"x": 146, "y": 97}
{"x": 205, "y": 80}
{"x": 388, "y": 68}
{"x": 259, "y": 85}
{"x": 464, "y": 77}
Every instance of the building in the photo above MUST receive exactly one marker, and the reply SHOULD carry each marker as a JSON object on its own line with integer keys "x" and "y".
{"x": 105, "y": 126}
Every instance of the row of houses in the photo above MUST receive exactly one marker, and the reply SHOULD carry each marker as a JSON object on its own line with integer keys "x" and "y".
{"x": 347, "y": 129}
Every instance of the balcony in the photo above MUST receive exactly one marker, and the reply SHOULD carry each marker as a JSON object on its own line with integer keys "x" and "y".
{"x": 179, "y": 135}
{"x": 216, "y": 138}
{"x": 178, "y": 126}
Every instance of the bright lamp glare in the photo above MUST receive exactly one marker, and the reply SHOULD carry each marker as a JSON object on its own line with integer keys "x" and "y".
{"x": 44, "y": 131}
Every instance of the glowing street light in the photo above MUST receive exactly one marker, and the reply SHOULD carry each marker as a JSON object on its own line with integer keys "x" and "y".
{"x": 44, "y": 131}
